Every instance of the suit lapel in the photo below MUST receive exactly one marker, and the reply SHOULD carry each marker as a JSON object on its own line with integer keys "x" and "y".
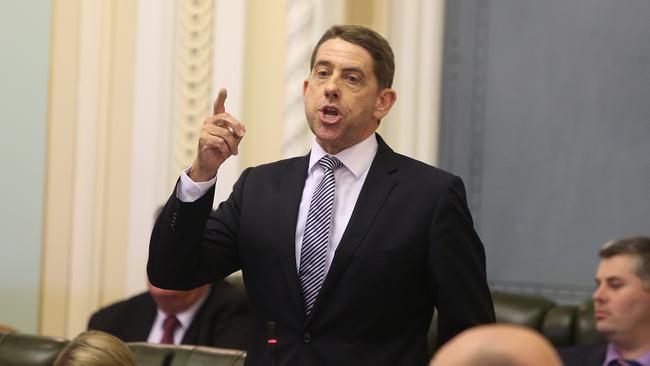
{"x": 597, "y": 355}
{"x": 290, "y": 194}
{"x": 379, "y": 183}
{"x": 143, "y": 321}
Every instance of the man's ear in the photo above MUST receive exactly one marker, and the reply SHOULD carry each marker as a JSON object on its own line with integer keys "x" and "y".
{"x": 305, "y": 84}
{"x": 384, "y": 103}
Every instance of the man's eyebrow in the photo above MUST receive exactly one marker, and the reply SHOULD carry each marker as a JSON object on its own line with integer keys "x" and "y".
{"x": 613, "y": 278}
{"x": 327, "y": 63}
{"x": 354, "y": 69}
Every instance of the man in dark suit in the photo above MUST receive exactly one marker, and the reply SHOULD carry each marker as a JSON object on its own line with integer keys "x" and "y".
{"x": 622, "y": 307}
{"x": 213, "y": 315}
{"x": 346, "y": 251}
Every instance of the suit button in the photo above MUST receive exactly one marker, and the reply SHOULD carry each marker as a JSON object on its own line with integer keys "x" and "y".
{"x": 306, "y": 337}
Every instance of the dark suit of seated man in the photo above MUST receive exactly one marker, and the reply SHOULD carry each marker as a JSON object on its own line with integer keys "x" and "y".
{"x": 213, "y": 315}
{"x": 622, "y": 307}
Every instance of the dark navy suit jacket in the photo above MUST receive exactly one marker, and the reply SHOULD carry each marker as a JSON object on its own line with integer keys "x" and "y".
{"x": 585, "y": 355}
{"x": 409, "y": 247}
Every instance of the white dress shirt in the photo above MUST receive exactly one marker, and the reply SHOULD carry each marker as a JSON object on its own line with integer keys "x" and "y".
{"x": 349, "y": 180}
{"x": 184, "y": 318}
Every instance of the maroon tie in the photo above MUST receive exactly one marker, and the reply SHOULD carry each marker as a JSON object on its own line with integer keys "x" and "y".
{"x": 169, "y": 326}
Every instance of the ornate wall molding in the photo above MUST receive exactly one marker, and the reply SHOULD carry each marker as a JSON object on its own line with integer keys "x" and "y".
{"x": 300, "y": 42}
{"x": 192, "y": 79}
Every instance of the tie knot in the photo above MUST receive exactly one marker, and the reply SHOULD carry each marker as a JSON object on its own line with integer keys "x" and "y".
{"x": 329, "y": 162}
{"x": 170, "y": 323}
{"x": 169, "y": 326}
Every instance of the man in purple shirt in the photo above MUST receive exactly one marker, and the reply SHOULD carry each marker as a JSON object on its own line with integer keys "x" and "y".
{"x": 622, "y": 307}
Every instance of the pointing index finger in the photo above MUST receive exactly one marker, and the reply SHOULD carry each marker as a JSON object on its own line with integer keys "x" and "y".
{"x": 219, "y": 104}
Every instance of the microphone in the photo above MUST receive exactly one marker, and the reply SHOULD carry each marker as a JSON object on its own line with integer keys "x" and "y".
{"x": 271, "y": 341}
{"x": 167, "y": 361}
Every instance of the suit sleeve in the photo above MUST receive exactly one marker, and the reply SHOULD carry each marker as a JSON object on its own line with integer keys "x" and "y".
{"x": 457, "y": 265}
{"x": 191, "y": 245}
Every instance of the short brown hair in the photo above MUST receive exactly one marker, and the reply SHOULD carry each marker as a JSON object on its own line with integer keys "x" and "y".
{"x": 371, "y": 41}
{"x": 636, "y": 246}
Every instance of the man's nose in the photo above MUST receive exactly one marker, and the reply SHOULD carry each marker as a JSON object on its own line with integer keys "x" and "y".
{"x": 331, "y": 89}
{"x": 598, "y": 294}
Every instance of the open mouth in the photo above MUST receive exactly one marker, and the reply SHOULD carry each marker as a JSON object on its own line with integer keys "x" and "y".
{"x": 330, "y": 111}
{"x": 330, "y": 114}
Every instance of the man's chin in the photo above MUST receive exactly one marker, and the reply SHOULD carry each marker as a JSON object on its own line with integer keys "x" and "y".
{"x": 604, "y": 328}
{"x": 330, "y": 139}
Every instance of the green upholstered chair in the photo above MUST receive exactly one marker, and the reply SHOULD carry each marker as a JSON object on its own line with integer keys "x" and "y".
{"x": 18, "y": 349}
{"x": 584, "y": 327}
{"x": 149, "y": 354}
{"x": 562, "y": 325}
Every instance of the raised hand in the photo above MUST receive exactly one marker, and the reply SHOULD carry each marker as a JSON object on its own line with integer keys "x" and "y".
{"x": 219, "y": 139}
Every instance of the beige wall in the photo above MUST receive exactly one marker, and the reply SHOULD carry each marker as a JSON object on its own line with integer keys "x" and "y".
{"x": 369, "y": 13}
{"x": 264, "y": 81}
{"x": 88, "y": 157}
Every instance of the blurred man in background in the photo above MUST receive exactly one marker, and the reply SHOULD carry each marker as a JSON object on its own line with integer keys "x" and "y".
{"x": 622, "y": 307}
{"x": 211, "y": 315}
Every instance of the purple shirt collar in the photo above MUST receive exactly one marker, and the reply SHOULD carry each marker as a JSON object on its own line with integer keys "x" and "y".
{"x": 612, "y": 354}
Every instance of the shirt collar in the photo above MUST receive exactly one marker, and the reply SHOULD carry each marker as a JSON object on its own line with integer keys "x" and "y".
{"x": 612, "y": 354}
{"x": 356, "y": 158}
{"x": 185, "y": 317}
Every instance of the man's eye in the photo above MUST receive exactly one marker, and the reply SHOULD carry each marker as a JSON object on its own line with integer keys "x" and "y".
{"x": 322, "y": 73}
{"x": 615, "y": 284}
{"x": 353, "y": 79}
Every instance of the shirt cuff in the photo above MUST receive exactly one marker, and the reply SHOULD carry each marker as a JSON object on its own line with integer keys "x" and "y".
{"x": 189, "y": 190}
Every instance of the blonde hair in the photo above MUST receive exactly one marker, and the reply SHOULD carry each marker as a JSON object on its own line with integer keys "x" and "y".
{"x": 95, "y": 348}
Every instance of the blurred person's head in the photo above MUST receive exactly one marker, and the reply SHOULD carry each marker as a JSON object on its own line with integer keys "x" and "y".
{"x": 622, "y": 295}
{"x": 95, "y": 348}
{"x": 174, "y": 302}
{"x": 497, "y": 345}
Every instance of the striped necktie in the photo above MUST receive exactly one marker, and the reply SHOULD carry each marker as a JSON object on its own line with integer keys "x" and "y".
{"x": 316, "y": 238}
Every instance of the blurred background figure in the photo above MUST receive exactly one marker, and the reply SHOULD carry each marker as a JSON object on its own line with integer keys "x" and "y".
{"x": 96, "y": 348}
{"x": 622, "y": 307}
{"x": 497, "y": 345}
{"x": 213, "y": 315}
